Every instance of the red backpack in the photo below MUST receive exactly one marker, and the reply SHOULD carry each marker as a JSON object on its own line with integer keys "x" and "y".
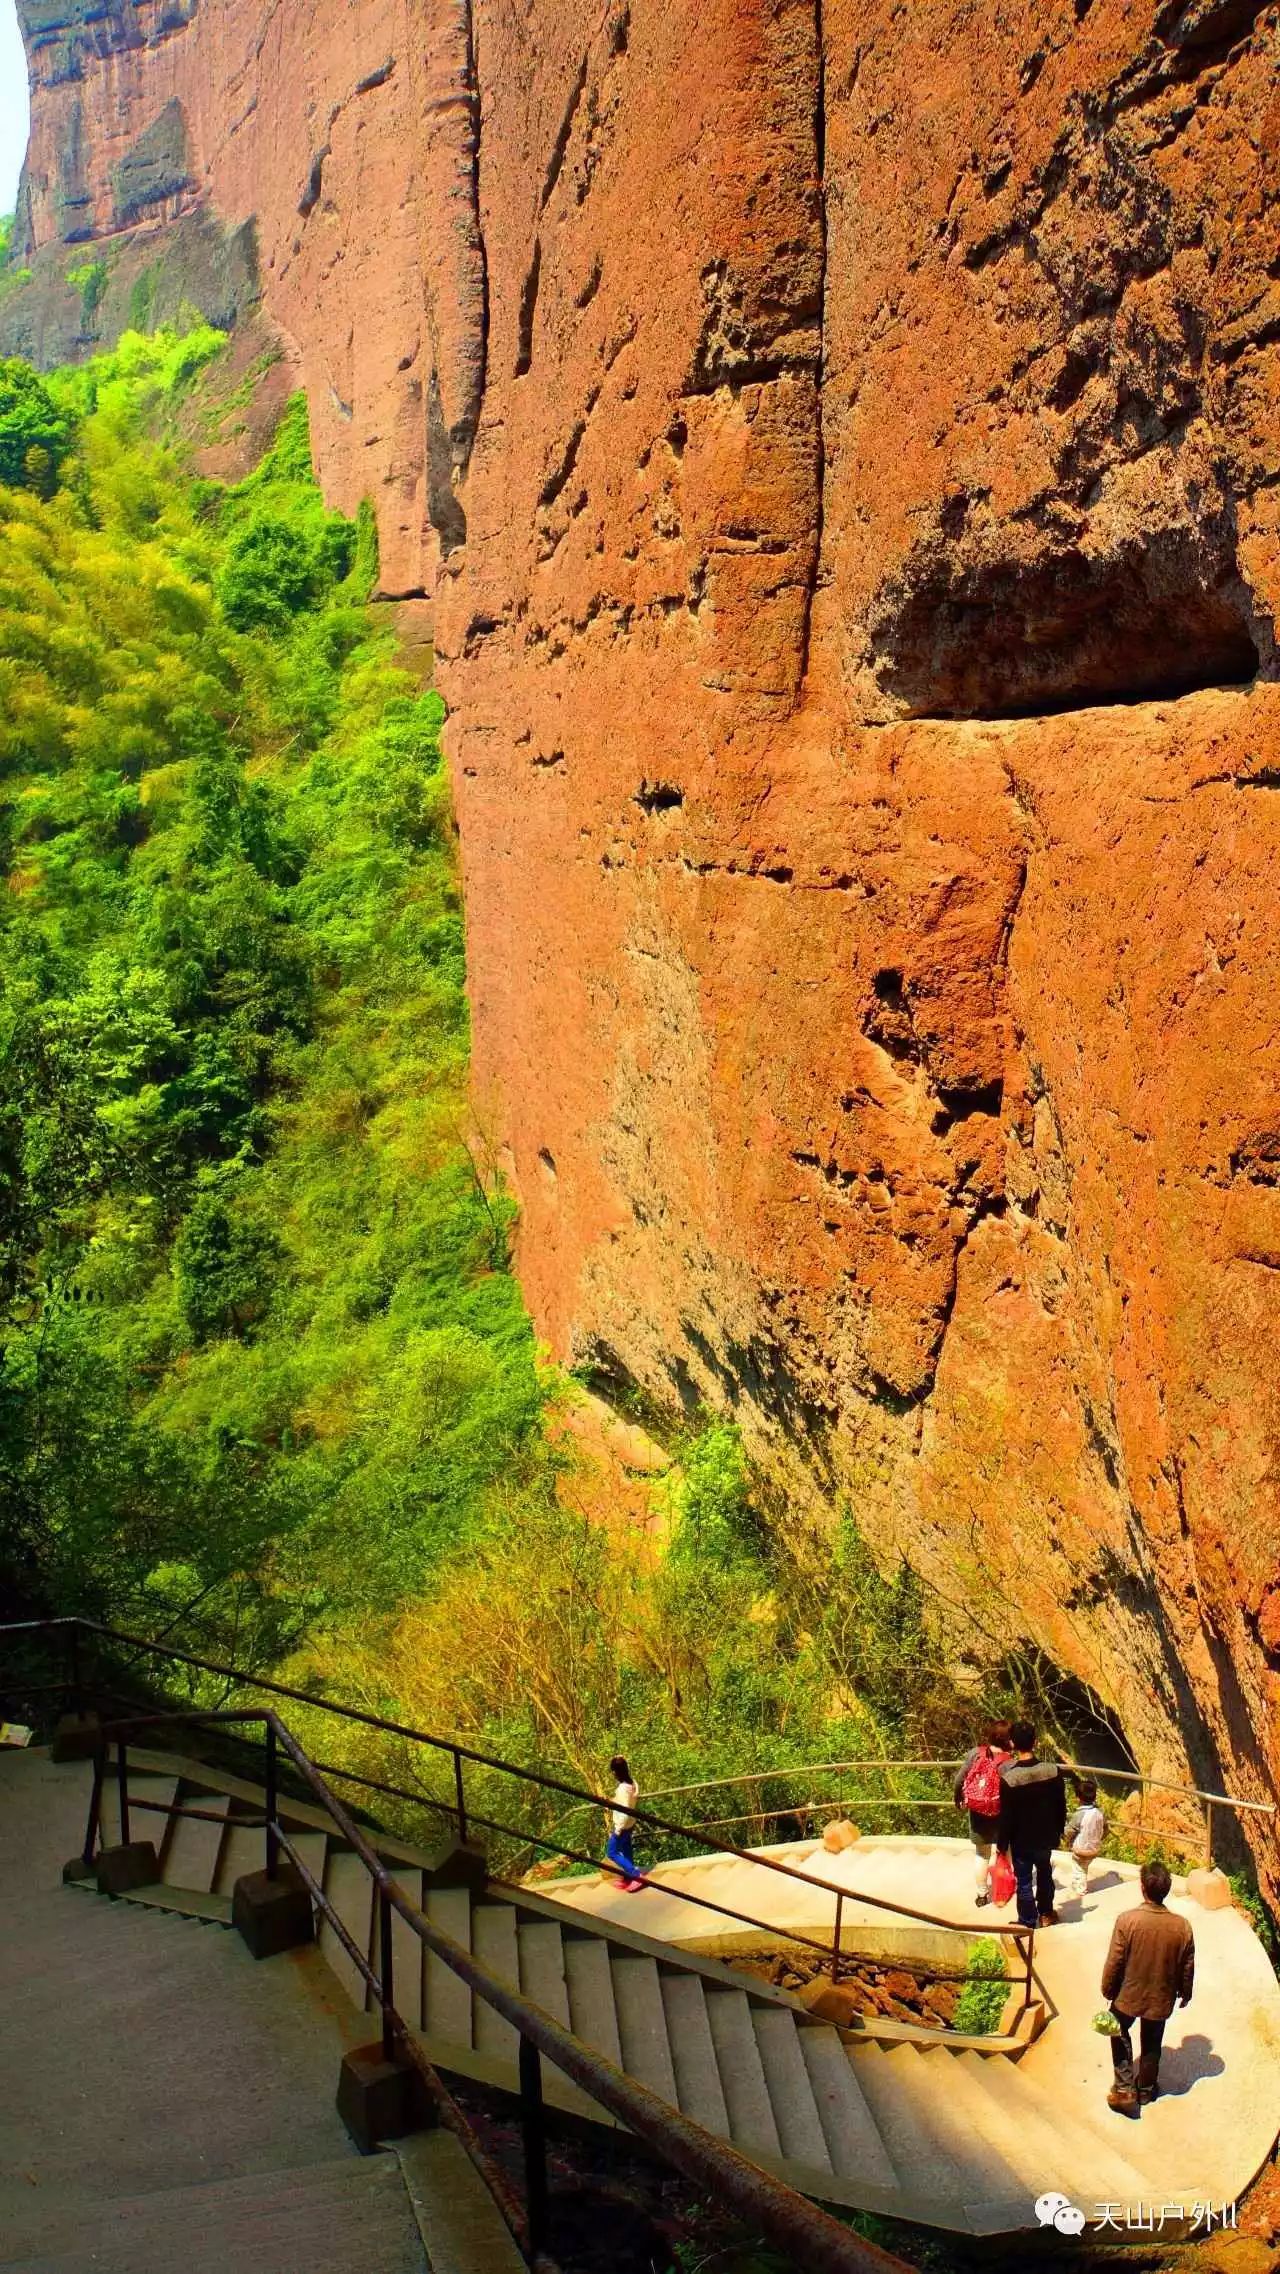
{"x": 982, "y": 1783}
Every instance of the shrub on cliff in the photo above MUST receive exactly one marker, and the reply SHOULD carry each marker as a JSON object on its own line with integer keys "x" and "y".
{"x": 275, "y": 568}
{"x": 285, "y": 554}
{"x": 35, "y": 434}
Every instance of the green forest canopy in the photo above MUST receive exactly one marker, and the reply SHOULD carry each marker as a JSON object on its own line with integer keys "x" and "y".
{"x": 261, "y": 1354}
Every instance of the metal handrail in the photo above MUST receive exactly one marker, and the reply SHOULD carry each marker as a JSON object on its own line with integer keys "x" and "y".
{"x": 798, "y": 2227}
{"x": 487, "y": 1760}
{"x": 831, "y": 1952}
{"x": 838, "y": 1768}
{"x": 1022, "y": 1937}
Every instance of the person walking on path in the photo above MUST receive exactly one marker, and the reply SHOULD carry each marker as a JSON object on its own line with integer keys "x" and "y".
{"x": 618, "y": 1847}
{"x": 1033, "y": 1811}
{"x": 1150, "y": 1968}
{"x": 1085, "y": 1833}
{"x": 977, "y": 1788}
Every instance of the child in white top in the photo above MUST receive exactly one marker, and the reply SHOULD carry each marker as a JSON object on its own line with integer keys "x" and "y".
{"x": 1085, "y": 1833}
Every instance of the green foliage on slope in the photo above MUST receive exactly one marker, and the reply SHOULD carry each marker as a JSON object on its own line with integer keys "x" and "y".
{"x": 260, "y": 1354}
{"x": 35, "y": 434}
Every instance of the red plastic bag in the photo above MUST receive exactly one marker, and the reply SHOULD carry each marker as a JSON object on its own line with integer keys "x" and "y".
{"x": 1003, "y": 1882}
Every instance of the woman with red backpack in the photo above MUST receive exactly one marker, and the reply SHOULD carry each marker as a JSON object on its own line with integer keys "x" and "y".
{"x": 977, "y": 1788}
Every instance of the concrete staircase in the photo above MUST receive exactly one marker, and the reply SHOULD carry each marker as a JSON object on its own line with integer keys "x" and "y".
{"x": 167, "y": 2103}
{"x": 950, "y": 2138}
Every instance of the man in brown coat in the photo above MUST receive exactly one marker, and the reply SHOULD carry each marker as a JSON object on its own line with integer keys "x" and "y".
{"x": 1150, "y": 1968}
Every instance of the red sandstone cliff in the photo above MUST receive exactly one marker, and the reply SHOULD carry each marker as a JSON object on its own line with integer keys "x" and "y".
{"x": 842, "y": 440}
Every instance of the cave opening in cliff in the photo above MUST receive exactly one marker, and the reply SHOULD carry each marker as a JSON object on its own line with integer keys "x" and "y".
{"x": 969, "y": 636}
{"x": 1093, "y": 1730}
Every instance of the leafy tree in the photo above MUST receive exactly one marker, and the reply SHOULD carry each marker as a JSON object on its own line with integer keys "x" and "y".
{"x": 273, "y": 570}
{"x": 224, "y": 1265}
{"x": 35, "y": 435}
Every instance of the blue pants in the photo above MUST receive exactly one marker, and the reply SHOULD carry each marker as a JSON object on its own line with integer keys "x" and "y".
{"x": 1034, "y": 1874}
{"x": 618, "y": 1850}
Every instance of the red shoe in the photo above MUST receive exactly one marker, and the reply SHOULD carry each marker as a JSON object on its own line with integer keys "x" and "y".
{"x": 633, "y": 1886}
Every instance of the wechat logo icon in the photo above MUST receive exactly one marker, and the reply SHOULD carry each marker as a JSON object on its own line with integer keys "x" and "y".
{"x": 1055, "y": 2211}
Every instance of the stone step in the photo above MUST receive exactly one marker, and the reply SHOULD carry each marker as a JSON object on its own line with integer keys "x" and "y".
{"x": 313, "y": 1848}
{"x": 495, "y": 1944}
{"x": 1036, "y": 2124}
{"x": 853, "y": 2140}
{"x": 592, "y": 2014}
{"x": 642, "y": 2023}
{"x": 354, "y": 2216}
{"x": 408, "y": 1951}
{"x": 191, "y": 1856}
{"x": 243, "y": 1849}
{"x": 899, "y": 2097}
{"x": 752, "y": 2125}
{"x": 148, "y": 2052}
{"x": 542, "y": 1969}
{"x": 992, "y": 2193}
{"x": 446, "y": 2008}
{"x": 693, "y": 2053}
{"x": 90, "y": 1945}
{"x": 144, "y": 1823}
{"x": 460, "y": 2224}
{"x": 188, "y": 1902}
{"x": 350, "y": 1890}
{"x": 795, "y": 2111}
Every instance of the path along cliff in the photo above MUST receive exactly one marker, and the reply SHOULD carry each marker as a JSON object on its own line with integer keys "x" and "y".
{"x": 839, "y": 443}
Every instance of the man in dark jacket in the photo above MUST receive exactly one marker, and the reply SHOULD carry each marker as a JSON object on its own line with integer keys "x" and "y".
{"x": 1033, "y": 1813}
{"x": 1150, "y": 1966}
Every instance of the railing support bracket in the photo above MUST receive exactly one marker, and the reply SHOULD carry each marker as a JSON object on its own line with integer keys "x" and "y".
{"x": 380, "y": 2099}
{"x": 76, "y": 1738}
{"x": 119, "y": 1871}
{"x": 271, "y": 1915}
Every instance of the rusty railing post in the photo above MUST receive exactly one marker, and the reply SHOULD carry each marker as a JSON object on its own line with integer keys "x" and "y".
{"x": 273, "y": 1805}
{"x": 122, "y": 1781}
{"x": 1031, "y": 1950}
{"x": 460, "y": 1796}
{"x": 95, "y": 1803}
{"x": 1208, "y": 1834}
{"x": 837, "y": 1939}
{"x": 77, "y": 1687}
{"x": 533, "y": 2126}
{"x": 386, "y": 1975}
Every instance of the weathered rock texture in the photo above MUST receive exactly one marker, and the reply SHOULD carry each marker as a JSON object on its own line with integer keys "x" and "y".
{"x": 842, "y": 442}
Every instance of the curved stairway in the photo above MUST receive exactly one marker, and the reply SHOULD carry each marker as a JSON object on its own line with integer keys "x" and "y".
{"x": 948, "y": 2138}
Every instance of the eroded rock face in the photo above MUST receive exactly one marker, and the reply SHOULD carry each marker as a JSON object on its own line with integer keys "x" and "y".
{"x": 279, "y": 144}
{"x": 843, "y": 445}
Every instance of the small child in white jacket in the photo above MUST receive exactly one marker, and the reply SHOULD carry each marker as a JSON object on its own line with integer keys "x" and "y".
{"x": 1085, "y": 1834}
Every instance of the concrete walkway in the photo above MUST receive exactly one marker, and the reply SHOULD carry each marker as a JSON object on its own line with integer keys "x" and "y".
{"x": 166, "y": 2102}
{"x": 1217, "y": 2119}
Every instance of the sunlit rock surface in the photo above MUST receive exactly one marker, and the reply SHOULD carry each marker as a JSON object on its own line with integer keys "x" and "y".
{"x": 841, "y": 446}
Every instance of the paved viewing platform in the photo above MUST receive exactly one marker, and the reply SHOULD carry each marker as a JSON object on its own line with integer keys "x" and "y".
{"x": 1216, "y": 2120}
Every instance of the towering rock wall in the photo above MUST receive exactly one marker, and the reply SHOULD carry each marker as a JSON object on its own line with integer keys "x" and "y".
{"x": 230, "y": 148}
{"x": 842, "y": 442}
